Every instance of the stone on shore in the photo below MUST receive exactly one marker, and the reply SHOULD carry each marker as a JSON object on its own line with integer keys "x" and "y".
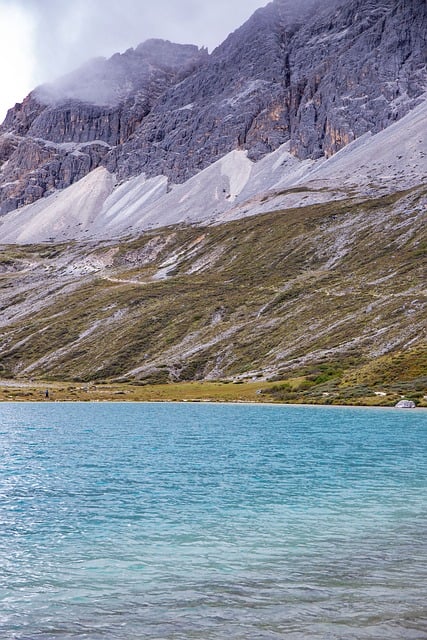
{"x": 406, "y": 404}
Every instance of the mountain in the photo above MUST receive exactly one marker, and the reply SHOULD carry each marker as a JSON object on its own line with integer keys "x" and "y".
{"x": 316, "y": 78}
{"x": 231, "y": 188}
{"x": 335, "y": 289}
{"x": 254, "y": 213}
{"x": 63, "y": 131}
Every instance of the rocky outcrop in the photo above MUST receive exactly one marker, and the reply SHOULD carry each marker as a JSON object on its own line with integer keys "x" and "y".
{"x": 19, "y": 119}
{"x": 39, "y": 168}
{"x": 316, "y": 75}
{"x": 319, "y": 80}
{"x": 370, "y": 69}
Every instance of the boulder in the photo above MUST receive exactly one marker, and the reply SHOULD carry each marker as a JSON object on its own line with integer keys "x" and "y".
{"x": 406, "y": 404}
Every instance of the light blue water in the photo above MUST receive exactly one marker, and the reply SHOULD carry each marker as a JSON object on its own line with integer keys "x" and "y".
{"x": 201, "y": 522}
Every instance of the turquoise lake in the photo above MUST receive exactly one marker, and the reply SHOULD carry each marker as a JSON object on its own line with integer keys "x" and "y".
{"x": 209, "y": 521}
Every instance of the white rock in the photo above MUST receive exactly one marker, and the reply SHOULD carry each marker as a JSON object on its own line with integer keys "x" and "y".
{"x": 406, "y": 404}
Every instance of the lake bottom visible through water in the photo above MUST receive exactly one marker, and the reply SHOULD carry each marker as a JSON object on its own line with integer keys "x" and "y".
{"x": 209, "y": 521}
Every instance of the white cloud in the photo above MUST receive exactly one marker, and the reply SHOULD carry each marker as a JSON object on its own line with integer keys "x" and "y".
{"x": 17, "y": 64}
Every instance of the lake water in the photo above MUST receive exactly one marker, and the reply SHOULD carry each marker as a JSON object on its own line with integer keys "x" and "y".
{"x": 202, "y": 522}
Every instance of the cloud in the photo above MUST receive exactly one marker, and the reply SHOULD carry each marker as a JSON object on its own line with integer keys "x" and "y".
{"x": 17, "y": 34}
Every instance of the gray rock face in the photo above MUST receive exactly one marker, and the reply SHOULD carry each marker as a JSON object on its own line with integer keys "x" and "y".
{"x": 317, "y": 76}
{"x": 64, "y": 130}
{"x": 370, "y": 69}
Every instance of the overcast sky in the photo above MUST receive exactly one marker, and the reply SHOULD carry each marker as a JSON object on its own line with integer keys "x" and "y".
{"x": 42, "y": 39}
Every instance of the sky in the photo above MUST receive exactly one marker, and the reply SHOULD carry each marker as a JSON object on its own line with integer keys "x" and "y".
{"x": 41, "y": 40}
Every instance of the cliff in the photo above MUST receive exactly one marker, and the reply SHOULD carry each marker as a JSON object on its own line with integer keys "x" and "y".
{"x": 318, "y": 78}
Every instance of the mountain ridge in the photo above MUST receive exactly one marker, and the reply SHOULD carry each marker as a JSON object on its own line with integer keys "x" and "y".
{"x": 317, "y": 84}
{"x": 231, "y": 188}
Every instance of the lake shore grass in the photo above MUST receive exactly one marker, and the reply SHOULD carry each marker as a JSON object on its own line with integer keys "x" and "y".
{"x": 196, "y": 391}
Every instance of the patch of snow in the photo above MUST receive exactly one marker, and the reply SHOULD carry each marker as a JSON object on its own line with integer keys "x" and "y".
{"x": 173, "y": 260}
{"x": 91, "y": 329}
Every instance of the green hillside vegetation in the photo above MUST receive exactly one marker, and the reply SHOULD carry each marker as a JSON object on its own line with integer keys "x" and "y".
{"x": 326, "y": 302}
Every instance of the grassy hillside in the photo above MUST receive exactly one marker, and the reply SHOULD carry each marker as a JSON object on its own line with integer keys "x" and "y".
{"x": 330, "y": 296}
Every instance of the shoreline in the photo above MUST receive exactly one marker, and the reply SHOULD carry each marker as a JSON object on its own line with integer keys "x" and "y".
{"x": 216, "y": 402}
{"x": 192, "y": 392}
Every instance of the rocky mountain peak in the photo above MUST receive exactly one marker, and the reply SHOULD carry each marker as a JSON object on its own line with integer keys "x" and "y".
{"x": 109, "y": 82}
{"x": 169, "y": 55}
{"x": 316, "y": 75}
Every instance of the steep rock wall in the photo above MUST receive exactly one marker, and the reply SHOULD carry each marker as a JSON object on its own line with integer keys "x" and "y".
{"x": 317, "y": 76}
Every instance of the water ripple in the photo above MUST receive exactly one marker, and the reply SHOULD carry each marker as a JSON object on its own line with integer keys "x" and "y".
{"x": 201, "y": 522}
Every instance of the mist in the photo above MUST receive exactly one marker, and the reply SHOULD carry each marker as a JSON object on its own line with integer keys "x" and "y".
{"x": 43, "y": 39}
